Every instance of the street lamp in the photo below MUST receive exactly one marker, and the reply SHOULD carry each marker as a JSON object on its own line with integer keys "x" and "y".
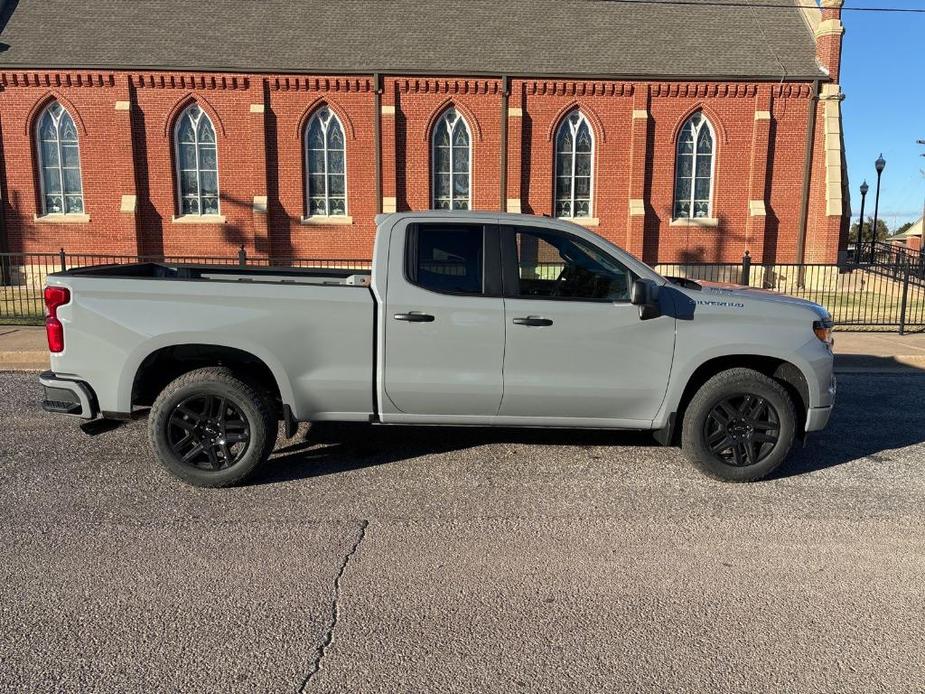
{"x": 857, "y": 250}
{"x": 921, "y": 244}
{"x": 880, "y": 164}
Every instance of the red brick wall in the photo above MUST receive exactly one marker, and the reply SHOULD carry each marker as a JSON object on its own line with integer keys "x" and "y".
{"x": 292, "y": 101}
{"x": 156, "y": 109}
{"x": 260, "y": 120}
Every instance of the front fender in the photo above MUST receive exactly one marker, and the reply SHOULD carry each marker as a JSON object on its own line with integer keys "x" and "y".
{"x": 813, "y": 359}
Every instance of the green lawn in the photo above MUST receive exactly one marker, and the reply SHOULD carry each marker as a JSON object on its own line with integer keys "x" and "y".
{"x": 858, "y": 308}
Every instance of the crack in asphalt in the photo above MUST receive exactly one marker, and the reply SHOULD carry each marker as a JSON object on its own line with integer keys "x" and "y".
{"x": 335, "y": 608}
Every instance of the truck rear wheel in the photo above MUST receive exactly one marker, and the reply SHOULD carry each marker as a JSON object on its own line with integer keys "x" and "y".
{"x": 210, "y": 428}
{"x": 739, "y": 427}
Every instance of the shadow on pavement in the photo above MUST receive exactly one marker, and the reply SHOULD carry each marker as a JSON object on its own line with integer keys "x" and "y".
{"x": 868, "y": 424}
{"x": 822, "y": 451}
{"x": 332, "y": 448}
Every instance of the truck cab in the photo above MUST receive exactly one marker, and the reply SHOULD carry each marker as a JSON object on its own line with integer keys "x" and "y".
{"x": 513, "y": 321}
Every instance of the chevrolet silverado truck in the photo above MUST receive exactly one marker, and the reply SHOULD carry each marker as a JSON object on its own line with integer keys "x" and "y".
{"x": 466, "y": 319}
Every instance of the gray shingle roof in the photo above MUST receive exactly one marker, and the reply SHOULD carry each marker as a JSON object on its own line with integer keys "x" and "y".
{"x": 461, "y": 37}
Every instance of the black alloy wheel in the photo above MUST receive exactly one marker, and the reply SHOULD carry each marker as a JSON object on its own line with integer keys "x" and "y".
{"x": 742, "y": 429}
{"x": 209, "y": 432}
{"x": 211, "y": 428}
{"x": 739, "y": 426}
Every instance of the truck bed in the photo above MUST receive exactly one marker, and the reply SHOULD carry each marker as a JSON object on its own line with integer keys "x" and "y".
{"x": 224, "y": 273}
{"x": 313, "y": 329}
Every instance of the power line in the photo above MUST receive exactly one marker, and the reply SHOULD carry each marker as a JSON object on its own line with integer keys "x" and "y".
{"x": 763, "y": 5}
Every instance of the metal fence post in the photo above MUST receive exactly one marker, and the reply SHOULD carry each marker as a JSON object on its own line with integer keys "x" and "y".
{"x": 905, "y": 302}
{"x": 63, "y": 257}
{"x": 242, "y": 256}
{"x": 6, "y": 270}
{"x": 746, "y": 269}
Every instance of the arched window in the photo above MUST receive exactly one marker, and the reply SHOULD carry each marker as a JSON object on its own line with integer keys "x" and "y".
{"x": 59, "y": 162}
{"x": 693, "y": 188}
{"x": 574, "y": 166}
{"x": 325, "y": 165}
{"x": 197, "y": 162}
{"x": 452, "y": 163}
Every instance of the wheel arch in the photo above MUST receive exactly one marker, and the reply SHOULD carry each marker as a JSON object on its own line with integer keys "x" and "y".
{"x": 164, "y": 363}
{"x": 784, "y": 372}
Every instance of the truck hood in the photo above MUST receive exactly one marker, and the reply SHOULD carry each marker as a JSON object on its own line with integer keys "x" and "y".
{"x": 720, "y": 291}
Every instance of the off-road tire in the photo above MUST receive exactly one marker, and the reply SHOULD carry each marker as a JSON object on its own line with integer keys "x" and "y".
{"x": 249, "y": 404}
{"x": 736, "y": 383}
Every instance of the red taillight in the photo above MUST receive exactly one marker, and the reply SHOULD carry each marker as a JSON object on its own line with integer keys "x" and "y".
{"x": 55, "y": 297}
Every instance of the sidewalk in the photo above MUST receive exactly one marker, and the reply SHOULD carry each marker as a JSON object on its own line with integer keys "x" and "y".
{"x": 23, "y": 348}
{"x": 883, "y": 352}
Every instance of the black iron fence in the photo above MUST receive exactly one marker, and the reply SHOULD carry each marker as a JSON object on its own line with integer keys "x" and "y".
{"x": 897, "y": 261}
{"x": 886, "y": 296}
{"x": 22, "y": 275}
{"x": 860, "y": 297}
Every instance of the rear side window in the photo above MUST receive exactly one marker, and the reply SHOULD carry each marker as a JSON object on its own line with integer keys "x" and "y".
{"x": 447, "y": 258}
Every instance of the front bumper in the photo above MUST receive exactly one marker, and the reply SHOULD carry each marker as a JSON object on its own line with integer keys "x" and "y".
{"x": 817, "y": 418}
{"x": 63, "y": 396}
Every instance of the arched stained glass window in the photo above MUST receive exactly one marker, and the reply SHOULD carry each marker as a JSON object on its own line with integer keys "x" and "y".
{"x": 574, "y": 166}
{"x": 452, "y": 162}
{"x": 197, "y": 162}
{"x": 59, "y": 162}
{"x": 693, "y": 189}
{"x": 325, "y": 165}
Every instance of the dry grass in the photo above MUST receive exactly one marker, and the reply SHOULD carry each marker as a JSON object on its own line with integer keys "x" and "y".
{"x": 20, "y": 305}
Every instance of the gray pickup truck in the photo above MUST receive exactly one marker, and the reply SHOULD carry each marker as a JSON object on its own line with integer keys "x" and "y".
{"x": 467, "y": 319}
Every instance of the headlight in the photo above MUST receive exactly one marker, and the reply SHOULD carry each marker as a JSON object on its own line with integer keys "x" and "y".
{"x": 823, "y": 330}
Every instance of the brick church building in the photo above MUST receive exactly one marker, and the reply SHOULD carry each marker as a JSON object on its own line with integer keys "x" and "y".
{"x": 167, "y": 127}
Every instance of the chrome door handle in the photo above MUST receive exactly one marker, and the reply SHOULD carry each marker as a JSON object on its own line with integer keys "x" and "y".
{"x": 415, "y": 317}
{"x": 533, "y": 321}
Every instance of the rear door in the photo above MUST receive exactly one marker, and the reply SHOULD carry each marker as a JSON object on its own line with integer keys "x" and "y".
{"x": 444, "y": 322}
{"x": 576, "y": 348}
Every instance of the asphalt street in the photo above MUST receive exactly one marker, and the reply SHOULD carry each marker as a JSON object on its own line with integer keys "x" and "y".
{"x": 434, "y": 560}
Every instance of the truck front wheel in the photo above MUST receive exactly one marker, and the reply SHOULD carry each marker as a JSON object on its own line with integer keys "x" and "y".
{"x": 739, "y": 426}
{"x": 211, "y": 429}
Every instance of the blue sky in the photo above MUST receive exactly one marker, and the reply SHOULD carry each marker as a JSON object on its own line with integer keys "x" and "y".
{"x": 883, "y": 78}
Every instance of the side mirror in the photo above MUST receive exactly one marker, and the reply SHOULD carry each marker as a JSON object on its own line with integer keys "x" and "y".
{"x": 644, "y": 294}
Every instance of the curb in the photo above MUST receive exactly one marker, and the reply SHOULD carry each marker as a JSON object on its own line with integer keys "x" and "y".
{"x": 24, "y": 361}
{"x": 879, "y": 370}
{"x": 866, "y": 363}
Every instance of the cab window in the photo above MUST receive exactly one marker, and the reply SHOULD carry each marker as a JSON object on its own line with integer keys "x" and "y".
{"x": 545, "y": 264}
{"x": 447, "y": 258}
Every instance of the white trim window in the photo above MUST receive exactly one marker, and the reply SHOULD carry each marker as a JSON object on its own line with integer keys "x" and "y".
{"x": 59, "y": 162}
{"x": 451, "y": 162}
{"x": 325, "y": 165}
{"x": 574, "y": 166}
{"x": 693, "y": 191}
{"x": 196, "y": 155}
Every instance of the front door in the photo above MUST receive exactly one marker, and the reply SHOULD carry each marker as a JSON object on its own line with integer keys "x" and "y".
{"x": 575, "y": 346}
{"x": 444, "y": 321}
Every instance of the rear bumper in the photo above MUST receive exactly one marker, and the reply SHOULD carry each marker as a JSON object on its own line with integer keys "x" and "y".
{"x": 63, "y": 396}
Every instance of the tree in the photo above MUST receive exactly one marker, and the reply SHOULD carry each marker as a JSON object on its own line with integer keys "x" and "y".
{"x": 882, "y": 230}
{"x": 907, "y": 225}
